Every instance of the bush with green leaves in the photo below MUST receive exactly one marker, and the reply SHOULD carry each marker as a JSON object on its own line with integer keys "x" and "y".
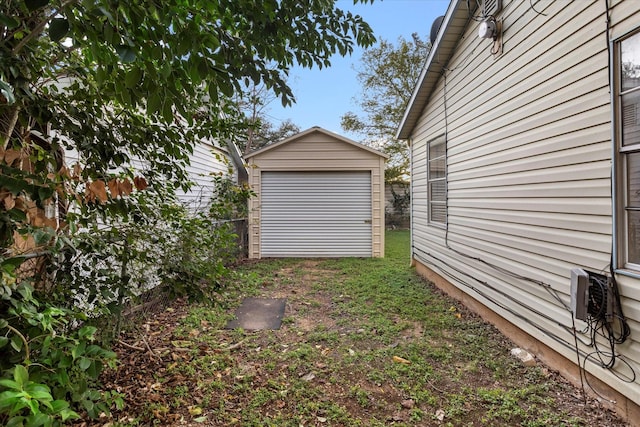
{"x": 49, "y": 364}
{"x": 207, "y": 242}
{"x": 50, "y": 357}
{"x": 155, "y": 241}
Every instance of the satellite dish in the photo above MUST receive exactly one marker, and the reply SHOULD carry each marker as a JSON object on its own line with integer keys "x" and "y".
{"x": 435, "y": 27}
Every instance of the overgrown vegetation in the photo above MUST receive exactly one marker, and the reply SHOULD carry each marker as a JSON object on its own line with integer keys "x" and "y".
{"x": 101, "y": 104}
{"x": 364, "y": 342}
{"x": 52, "y": 355}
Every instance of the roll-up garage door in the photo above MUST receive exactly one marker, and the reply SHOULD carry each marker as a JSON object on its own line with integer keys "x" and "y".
{"x": 316, "y": 214}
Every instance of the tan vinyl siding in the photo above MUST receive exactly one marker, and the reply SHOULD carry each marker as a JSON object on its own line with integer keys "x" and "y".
{"x": 528, "y": 167}
{"x": 317, "y": 150}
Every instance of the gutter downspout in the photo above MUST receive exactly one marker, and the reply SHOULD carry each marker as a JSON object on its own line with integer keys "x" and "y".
{"x": 234, "y": 152}
{"x": 412, "y": 261}
{"x": 614, "y": 162}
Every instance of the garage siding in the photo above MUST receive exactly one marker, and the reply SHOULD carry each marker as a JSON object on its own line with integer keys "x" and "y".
{"x": 317, "y": 194}
{"x": 316, "y": 214}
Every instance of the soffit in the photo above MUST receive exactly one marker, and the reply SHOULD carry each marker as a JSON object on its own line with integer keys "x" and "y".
{"x": 453, "y": 26}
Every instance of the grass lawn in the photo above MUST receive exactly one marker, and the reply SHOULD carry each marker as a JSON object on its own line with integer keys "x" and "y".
{"x": 364, "y": 342}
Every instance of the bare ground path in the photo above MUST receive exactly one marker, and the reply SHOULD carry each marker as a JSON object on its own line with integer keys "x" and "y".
{"x": 363, "y": 343}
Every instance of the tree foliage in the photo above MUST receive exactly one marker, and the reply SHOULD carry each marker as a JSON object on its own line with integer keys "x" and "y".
{"x": 265, "y": 133}
{"x": 269, "y": 133}
{"x": 117, "y": 83}
{"x": 167, "y": 58}
{"x": 260, "y": 131}
{"x": 388, "y": 74}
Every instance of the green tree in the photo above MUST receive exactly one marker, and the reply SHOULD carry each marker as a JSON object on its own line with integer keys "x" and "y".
{"x": 388, "y": 74}
{"x": 117, "y": 81}
{"x": 268, "y": 133}
{"x": 254, "y": 103}
{"x": 144, "y": 80}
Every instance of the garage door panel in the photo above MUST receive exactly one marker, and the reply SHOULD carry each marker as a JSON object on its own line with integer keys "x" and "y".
{"x": 316, "y": 214}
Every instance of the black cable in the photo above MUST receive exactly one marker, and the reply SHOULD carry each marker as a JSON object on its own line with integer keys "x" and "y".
{"x": 534, "y": 9}
{"x": 477, "y": 18}
{"x": 580, "y": 371}
{"x": 500, "y": 292}
{"x": 496, "y": 47}
{"x": 628, "y": 379}
{"x": 546, "y": 286}
{"x": 502, "y": 270}
{"x": 593, "y": 327}
{"x": 625, "y": 330}
{"x": 608, "y": 37}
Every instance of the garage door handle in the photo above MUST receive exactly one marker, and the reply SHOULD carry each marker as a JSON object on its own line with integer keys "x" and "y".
{"x": 367, "y": 221}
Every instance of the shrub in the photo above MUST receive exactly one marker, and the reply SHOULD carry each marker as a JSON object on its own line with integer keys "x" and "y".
{"x": 50, "y": 365}
{"x": 50, "y": 357}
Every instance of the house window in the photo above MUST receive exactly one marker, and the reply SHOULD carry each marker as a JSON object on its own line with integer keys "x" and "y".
{"x": 437, "y": 180}
{"x": 628, "y": 61}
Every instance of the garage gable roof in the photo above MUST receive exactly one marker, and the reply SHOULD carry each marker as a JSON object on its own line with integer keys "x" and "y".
{"x": 318, "y": 130}
{"x": 450, "y": 33}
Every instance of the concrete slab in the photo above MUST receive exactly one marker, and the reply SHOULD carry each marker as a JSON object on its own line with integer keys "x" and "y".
{"x": 259, "y": 313}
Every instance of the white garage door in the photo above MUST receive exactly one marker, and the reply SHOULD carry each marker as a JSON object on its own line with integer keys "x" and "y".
{"x": 316, "y": 214}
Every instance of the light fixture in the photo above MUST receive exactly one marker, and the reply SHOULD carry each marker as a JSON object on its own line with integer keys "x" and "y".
{"x": 488, "y": 29}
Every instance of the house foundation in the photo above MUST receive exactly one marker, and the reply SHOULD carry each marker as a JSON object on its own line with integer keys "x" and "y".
{"x": 624, "y": 407}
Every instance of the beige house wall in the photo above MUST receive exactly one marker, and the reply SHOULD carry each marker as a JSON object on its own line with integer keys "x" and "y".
{"x": 317, "y": 150}
{"x": 528, "y": 172}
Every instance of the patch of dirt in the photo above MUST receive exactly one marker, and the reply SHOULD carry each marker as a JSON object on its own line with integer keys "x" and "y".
{"x": 158, "y": 391}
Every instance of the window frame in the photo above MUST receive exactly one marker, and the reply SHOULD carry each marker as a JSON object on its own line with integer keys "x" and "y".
{"x": 620, "y": 185}
{"x": 431, "y": 201}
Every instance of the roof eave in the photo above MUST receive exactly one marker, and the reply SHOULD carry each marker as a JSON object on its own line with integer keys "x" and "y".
{"x": 311, "y": 130}
{"x": 441, "y": 51}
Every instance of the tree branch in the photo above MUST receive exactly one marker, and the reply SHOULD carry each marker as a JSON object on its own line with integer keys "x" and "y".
{"x": 37, "y": 30}
{"x": 24, "y": 340}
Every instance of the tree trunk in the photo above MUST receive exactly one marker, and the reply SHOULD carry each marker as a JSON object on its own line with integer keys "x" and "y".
{"x": 12, "y": 119}
{"x": 249, "y": 143}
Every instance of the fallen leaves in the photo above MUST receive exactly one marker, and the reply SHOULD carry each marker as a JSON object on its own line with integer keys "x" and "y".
{"x": 455, "y": 312}
{"x": 194, "y": 410}
{"x": 308, "y": 377}
{"x": 402, "y": 360}
{"x": 408, "y": 403}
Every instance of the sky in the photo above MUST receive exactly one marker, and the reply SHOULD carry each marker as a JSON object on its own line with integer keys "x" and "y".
{"x": 323, "y": 96}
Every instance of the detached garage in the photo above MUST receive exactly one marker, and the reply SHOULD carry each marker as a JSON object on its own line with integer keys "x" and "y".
{"x": 318, "y": 194}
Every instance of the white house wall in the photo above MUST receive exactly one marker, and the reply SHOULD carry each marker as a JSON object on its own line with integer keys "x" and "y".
{"x": 206, "y": 161}
{"x": 528, "y": 168}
